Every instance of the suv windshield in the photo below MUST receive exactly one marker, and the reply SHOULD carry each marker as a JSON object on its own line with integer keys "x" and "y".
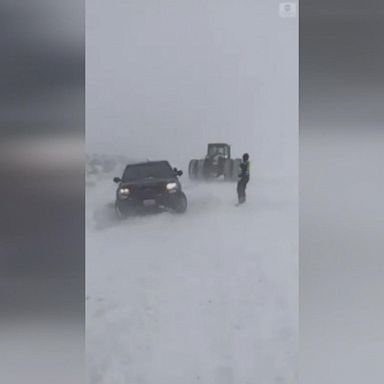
{"x": 159, "y": 169}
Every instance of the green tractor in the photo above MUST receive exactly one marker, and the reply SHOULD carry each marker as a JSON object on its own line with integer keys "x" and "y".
{"x": 217, "y": 163}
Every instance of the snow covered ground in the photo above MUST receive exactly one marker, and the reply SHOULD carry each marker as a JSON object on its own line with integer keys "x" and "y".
{"x": 209, "y": 297}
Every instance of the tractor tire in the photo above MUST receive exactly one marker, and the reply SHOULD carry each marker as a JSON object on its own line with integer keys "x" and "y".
{"x": 200, "y": 170}
{"x": 228, "y": 165}
{"x": 192, "y": 170}
{"x": 236, "y": 169}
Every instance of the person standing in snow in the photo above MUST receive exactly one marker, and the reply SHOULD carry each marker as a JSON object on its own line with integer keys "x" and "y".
{"x": 243, "y": 178}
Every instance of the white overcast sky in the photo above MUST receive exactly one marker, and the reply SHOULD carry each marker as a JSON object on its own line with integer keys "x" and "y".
{"x": 164, "y": 78}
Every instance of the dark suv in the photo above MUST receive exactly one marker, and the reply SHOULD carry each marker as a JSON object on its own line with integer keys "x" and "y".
{"x": 151, "y": 184}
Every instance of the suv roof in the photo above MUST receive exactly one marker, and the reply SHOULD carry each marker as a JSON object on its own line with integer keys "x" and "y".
{"x": 149, "y": 162}
{"x": 153, "y": 169}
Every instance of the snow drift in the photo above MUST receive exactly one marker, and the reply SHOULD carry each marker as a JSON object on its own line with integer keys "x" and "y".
{"x": 209, "y": 296}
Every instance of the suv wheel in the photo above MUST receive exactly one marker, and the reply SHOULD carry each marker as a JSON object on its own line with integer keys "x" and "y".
{"x": 180, "y": 203}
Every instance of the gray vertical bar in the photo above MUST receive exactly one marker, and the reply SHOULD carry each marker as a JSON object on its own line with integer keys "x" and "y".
{"x": 341, "y": 189}
{"x": 42, "y": 192}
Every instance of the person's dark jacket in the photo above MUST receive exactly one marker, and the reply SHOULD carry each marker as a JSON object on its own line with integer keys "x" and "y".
{"x": 244, "y": 170}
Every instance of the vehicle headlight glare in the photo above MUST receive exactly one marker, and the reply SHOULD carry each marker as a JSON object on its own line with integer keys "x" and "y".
{"x": 123, "y": 193}
{"x": 171, "y": 186}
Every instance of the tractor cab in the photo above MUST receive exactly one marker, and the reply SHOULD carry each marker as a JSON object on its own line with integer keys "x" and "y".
{"x": 218, "y": 150}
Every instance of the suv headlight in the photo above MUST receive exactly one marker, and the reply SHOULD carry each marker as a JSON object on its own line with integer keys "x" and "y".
{"x": 171, "y": 187}
{"x": 123, "y": 193}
